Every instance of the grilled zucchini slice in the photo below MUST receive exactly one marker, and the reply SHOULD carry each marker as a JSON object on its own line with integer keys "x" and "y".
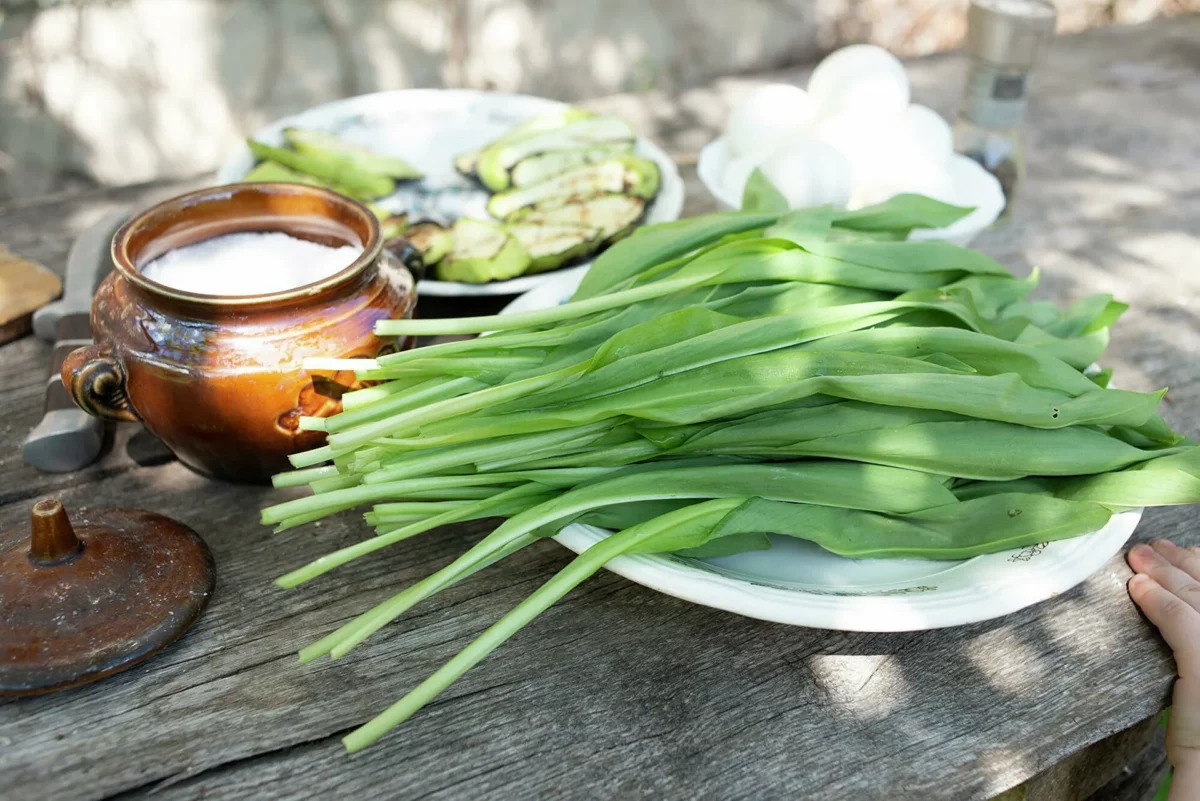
{"x": 553, "y": 246}
{"x": 626, "y": 175}
{"x": 496, "y": 160}
{"x": 274, "y": 172}
{"x": 544, "y": 166}
{"x": 392, "y": 226}
{"x": 465, "y": 163}
{"x": 482, "y": 252}
{"x": 615, "y": 216}
{"x": 433, "y": 240}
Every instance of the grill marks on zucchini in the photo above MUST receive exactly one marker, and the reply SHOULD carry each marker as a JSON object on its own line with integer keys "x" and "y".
{"x": 495, "y": 162}
{"x": 482, "y": 252}
{"x": 433, "y": 240}
{"x": 567, "y": 184}
{"x": 630, "y": 175}
{"x": 553, "y": 246}
{"x": 544, "y": 166}
{"x": 614, "y": 216}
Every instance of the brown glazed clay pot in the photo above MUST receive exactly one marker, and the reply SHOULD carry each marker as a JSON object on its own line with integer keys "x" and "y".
{"x": 219, "y": 378}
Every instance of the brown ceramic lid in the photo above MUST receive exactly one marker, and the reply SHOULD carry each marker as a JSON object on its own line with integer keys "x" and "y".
{"x": 81, "y": 602}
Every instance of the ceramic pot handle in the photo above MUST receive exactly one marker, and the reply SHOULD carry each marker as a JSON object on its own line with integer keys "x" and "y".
{"x": 403, "y": 251}
{"x": 95, "y": 380}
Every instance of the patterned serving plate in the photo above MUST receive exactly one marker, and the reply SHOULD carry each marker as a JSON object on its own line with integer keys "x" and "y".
{"x": 799, "y": 583}
{"x": 428, "y": 128}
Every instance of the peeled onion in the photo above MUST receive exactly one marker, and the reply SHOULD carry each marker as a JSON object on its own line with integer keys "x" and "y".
{"x": 767, "y": 118}
{"x": 809, "y": 173}
{"x": 737, "y": 172}
{"x": 923, "y": 133}
{"x": 870, "y": 149}
{"x": 920, "y": 176}
{"x": 862, "y": 80}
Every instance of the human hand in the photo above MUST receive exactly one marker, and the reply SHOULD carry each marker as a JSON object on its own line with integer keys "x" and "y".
{"x": 1167, "y": 589}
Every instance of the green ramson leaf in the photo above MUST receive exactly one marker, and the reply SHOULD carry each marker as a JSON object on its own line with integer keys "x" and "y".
{"x": 1080, "y": 352}
{"x": 1165, "y": 481}
{"x": 805, "y": 225}
{"x": 620, "y": 516}
{"x": 959, "y": 531}
{"x": 738, "y": 386}
{"x": 933, "y": 441}
{"x": 993, "y": 294}
{"x": 902, "y": 213}
{"x": 655, "y": 244}
{"x": 728, "y": 546}
{"x": 761, "y": 195}
{"x": 1086, "y": 316}
{"x": 985, "y": 354}
{"x": 666, "y": 329}
{"x": 915, "y": 257}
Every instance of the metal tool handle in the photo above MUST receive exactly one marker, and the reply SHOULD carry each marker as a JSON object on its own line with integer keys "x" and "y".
{"x": 67, "y": 438}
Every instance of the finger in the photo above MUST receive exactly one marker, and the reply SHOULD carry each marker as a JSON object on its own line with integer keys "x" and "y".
{"x": 1183, "y": 729}
{"x": 1144, "y": 559}
{"x": 1186, "y": 560}
{"x": 1178, "y": 622}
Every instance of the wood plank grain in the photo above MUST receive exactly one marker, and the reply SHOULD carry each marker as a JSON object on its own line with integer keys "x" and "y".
{"x": 1140, "y": 778}
{"x": 1086, "y": 772}
{"x": 616, "y": 691}
{"x": 621, "y": 692}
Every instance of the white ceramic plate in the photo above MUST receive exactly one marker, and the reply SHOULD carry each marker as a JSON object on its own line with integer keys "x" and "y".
{"x": 974, "y": 186}
{"x": 799, "y": 583}
{"x": 428, "y": 128}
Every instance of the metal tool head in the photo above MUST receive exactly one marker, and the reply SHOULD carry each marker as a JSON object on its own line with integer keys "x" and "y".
{"x": 87, "y": 263}
{"x": 65, "y": 440}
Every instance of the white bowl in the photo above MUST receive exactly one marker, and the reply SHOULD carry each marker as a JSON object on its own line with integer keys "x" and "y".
{"x": 975, "y": 186}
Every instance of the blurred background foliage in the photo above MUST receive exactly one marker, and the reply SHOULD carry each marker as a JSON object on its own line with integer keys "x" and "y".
{"x": 124, "y": 91}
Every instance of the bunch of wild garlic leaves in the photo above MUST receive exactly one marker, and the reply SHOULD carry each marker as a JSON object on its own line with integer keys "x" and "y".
{"x": 810, "y": 374}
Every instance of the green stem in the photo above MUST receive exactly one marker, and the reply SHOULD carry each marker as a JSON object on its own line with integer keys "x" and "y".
{"x": 579, "y": 569}
{"x": 422, "y": 463}
{"x": 368, "y": 395}
{"x": 516, "y": 528}
{"x": 506, "y": 322}
{"x": 549, "y": 338}
{"x": 481, "y": 508}
{"x": 413, "y": 419}
{"x": 298, "y": 478}
{"x": 398, "y": 604}
{"x": 422, "y": 395}
{"x": 311, "y": 458}
{"x": 332, "y": 502}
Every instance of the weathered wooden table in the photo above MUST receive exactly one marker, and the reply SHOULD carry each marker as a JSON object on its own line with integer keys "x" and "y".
{"x": 619, "y": 692}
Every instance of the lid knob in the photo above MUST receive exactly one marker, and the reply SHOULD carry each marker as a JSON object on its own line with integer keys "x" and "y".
{"x": 51, "y": 535}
